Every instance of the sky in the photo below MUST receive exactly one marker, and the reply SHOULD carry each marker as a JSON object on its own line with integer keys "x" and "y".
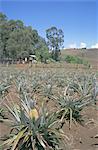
{"x": 77, "y": 18}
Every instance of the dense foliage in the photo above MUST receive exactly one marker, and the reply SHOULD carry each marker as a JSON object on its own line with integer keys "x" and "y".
{"x": 75, "y": 60}
{"x": 19, "y": 41}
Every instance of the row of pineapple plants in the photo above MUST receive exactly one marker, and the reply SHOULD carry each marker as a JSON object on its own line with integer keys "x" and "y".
{"x": 33, "y": 128}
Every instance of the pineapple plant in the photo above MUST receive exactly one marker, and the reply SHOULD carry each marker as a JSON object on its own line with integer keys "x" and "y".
{"x": 32, "y": 130}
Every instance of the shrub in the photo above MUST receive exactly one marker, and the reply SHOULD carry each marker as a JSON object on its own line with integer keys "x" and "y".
{"x": 74, "y": 59}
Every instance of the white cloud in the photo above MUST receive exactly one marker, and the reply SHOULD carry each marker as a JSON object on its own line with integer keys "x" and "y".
{"x": 95, "y": 46}
{"x": 82, "y": 45}
{"x": 73, "y": 45}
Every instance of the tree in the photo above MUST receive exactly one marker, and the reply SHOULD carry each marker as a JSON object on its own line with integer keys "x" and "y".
{"x": 42, "y": 51}
{"x": 20, "y": 42}
{"x": 55, "y": 41}
{"x": 1, "y": 48}
{"x": 3, "y": 34}
{"x": 15, "y": 24}
{"x": 7, "y": 27}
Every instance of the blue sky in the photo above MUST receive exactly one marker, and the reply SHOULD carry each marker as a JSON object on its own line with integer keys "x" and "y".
{"x": 77, "y": 18}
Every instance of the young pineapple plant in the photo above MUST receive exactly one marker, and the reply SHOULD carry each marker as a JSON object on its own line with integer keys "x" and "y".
{"x": 2, "y": 116}
{"x": 35, "y": 84}
{"x": 76, "y": 96}
{"x": 69, "y": 110}
{"x": 48, "y": 90}
{"x": 32, "y": 130}
{"x": 4, "y": 88}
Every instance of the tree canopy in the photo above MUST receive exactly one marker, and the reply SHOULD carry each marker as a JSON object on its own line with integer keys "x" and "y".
{"x": 18, "y": 40}
{"x": 55, "y": 41}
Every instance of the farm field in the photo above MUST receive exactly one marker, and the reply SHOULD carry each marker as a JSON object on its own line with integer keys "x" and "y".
{"x": 48, "y": 75}
{"x": 63, "y": 90}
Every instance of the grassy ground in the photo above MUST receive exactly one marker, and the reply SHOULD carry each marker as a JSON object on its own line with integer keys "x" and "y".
{"x": 91, "y": 55}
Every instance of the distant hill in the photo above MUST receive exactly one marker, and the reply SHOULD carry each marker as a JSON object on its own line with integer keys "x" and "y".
{"x": 90, "y": 55}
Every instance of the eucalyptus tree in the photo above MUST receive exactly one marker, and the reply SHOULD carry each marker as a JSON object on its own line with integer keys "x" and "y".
{"x": 42, "y": 51}
{"x": 7, "y": 27}
{"x": 55, "y": 41}
{"x": 21, "y": 41}
{"x": 3, "y": 34}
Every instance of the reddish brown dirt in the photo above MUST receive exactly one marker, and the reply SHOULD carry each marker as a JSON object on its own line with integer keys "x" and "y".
{"x": 83, "y": 136}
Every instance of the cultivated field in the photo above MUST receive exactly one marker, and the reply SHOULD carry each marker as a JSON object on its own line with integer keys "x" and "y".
{"x": 64, "y": 96}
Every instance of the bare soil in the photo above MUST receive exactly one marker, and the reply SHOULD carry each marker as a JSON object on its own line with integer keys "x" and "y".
{"x": 82, "y": 137}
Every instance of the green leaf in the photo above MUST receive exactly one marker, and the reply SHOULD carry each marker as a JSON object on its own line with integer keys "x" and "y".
{"x": 18, "y": 137}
